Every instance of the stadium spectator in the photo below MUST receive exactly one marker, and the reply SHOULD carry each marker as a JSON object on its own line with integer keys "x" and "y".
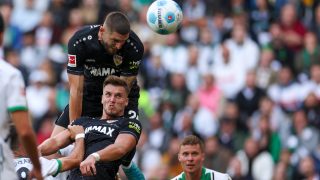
{"x": 308, "y": 56}
{"x": 249, "y": 96}
{"x": 256, "y": 164}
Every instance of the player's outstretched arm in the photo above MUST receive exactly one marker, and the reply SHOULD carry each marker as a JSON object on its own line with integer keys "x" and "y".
{"x": 28, "y": 140}
{"x": 76, "y": 92}
{"x": 123, "y": 144}
{"x": 53, "y": 144}
{"x": 55, "y": 166}
{"x": 51, "y": 167}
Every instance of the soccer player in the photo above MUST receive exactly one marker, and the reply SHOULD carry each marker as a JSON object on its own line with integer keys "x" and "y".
{"x": 107, "y": 141}
{"x": 23, "y": 164}
{"x": 13, "y": 106}
{"x": 191, "y": 156}
{"x": 95, "y": 52}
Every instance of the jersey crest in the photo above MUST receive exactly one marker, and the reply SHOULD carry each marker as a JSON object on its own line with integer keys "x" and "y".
{"x": 117, "y": 60}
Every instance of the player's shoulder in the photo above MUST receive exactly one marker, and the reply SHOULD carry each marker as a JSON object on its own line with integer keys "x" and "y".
{"x": 128, "y": 120}
{"x": 133, "y": 46}
{"x": 131, "y": 124}
{"x": 86, "y": 30}
{"x": 84, "y": 120}
{"x": 8, "y": 70}
{"x": 179, "y": 177}
{"x": 84, "y": 35}
{"x": 217, "y": 175}
{"x": 133, "y": 37}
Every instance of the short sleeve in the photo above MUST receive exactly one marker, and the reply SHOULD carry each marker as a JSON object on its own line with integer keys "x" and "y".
{"x": 80, "y": 121}
{"x": 131, "y": 126}
{"x": 76, "y": 56}
{"x": 134, "y": 53}
{"x": 16, "y": 94}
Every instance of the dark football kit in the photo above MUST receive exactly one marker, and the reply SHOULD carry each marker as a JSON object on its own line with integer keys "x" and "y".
{"x": 88, "y": 57}
{"x": 100, "y": 134}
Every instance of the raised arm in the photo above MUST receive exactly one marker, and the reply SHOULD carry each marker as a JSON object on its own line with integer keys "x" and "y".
{"x": 76, "y": 92}
{"x": 123, "y": 144}
{"x": 53, "y": 144}
{"x": 55, "y": 166}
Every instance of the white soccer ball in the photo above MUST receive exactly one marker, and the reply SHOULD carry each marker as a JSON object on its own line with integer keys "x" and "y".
{"x": 164, "y": 16}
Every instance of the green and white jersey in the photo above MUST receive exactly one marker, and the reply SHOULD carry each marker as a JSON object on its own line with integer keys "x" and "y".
{"x": 12, "y": 99}
{"x": 12, "y": 90}
{"x": 206, "y": 174}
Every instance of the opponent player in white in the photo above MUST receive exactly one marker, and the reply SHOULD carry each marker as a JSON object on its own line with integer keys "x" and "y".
{"x": 13, "y": 106}
{"x": 23, "y": 164}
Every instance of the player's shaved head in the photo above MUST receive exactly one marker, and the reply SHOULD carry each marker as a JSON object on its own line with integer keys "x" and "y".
{"x": 117, "y": 22}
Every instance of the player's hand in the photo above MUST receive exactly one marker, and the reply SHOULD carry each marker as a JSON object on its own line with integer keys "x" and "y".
{"x": 35, "y": 173}
{"x": 88, "y": 167}
{"x": 74, "y": 130}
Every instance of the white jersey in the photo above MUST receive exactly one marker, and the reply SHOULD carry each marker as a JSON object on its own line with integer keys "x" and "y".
{"x": 206, "y": 174}
{"x": 24, "y": 165}
{"x": 12, "y": 90}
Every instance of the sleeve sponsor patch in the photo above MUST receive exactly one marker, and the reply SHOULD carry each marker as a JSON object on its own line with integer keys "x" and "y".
{"x": 134, "y": 65}
{"x": 135, "y": 126}
{"x": 72, "y": 60}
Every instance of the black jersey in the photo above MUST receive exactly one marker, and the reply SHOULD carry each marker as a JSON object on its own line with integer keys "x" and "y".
{"x": 100, "y": 134}
{"x": 88, "y": 57}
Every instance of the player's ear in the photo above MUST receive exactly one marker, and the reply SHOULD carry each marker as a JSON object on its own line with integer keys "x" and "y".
{"x": 127, "y": 101}
{"x": 179, "y": 158}
{"x": 202, "y": 156}
{"x": 101, "y": 29}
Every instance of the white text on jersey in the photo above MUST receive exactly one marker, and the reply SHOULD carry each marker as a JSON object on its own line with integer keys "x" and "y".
{"x": 101, "y": 129}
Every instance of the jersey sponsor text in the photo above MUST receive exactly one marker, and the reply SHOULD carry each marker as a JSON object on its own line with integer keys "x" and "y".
{"x": 101, "y": 129}
{"x": 100, "y": 71}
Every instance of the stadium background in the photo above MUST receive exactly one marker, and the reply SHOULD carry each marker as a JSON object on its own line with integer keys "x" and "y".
{"x": 242, "y": 74}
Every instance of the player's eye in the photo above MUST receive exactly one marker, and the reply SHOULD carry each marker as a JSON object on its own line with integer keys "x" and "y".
{"x": 185, "y": 154}
{"x": 194, "y": 154}
{"x": 118, "y": 96}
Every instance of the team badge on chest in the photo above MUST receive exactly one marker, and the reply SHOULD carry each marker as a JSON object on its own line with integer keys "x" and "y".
{"x": 117, "y": 60}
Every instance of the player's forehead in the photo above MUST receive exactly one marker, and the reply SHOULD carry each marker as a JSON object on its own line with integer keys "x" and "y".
{"x": 190, "y": 148}
{"x": 110, "y": 88}
{"x": 118, "y": 37}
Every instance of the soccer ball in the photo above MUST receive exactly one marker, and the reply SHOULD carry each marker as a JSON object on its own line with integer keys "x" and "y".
{"x": 164, "y": 16}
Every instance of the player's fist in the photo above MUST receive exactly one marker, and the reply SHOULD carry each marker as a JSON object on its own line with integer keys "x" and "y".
{"x": 88, "y": 167}
{"x": 74, "y": 130}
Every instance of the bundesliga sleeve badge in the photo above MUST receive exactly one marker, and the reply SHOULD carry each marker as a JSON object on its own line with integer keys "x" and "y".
{"x": 72, "y": 60}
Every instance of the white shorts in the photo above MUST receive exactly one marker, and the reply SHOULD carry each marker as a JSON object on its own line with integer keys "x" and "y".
{"x": 7, "y": 170}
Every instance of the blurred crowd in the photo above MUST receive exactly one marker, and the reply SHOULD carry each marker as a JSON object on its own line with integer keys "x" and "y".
{"x": 244, "y": 75}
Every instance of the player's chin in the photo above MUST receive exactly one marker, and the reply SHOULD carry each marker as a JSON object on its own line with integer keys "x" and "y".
{"x": 112, "y": 51}
{"x": 113, "y": 113}
{"x": 190, "y": 169}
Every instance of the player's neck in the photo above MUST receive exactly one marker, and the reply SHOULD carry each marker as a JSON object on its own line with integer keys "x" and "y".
{"x": 193, "y": 176}
{"x": 106, "y": 116}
